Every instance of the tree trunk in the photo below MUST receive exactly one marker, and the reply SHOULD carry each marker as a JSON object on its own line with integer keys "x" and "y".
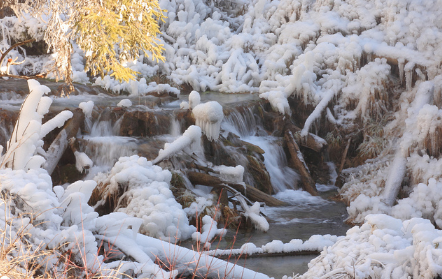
{"x": 307, "y": 182}
{"x": 61, "y": 142}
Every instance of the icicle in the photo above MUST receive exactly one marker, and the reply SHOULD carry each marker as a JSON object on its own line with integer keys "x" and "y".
{"x": 401, "y": 64}
{"x": 409, "y": 75}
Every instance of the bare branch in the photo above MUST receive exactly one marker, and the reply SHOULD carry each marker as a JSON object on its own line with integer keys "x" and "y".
{"x": 12, "y": 47}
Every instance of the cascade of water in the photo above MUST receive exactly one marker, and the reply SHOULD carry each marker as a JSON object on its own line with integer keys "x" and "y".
{"x": 248, "y": 128}
{"x": 242, "y": 123}
{"x": 104, "y": 146}
{"x": 275, "y": 160}
{"x": 175, "y": 127}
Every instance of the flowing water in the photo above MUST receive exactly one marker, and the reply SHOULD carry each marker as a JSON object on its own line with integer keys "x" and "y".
{"x": 303, "y": 217}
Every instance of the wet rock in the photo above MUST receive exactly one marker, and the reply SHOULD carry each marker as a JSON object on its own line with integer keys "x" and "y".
{"x": 7, "y": 122}
{"x": 185, "y": 118}
{"x": 261, "y": 177}
{"x": 145, "y": 123}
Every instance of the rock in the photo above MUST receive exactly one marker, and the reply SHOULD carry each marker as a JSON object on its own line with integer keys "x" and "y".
{"x": 261, "y": 177}
{"x": 145, "y": 123}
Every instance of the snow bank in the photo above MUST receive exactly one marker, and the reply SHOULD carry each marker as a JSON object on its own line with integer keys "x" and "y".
{"x": 383, "y": 247}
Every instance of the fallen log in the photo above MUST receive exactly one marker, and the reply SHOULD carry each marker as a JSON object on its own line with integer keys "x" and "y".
{"x": 248, "y": 191}
{"x": 310, "y": 141}
{"x": 307, "y": 182}
{"x": 61, "y": 142}
{"x": 267, "y": 255}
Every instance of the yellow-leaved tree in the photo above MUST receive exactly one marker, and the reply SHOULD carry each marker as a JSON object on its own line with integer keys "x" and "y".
{"x": 111, "y": 32}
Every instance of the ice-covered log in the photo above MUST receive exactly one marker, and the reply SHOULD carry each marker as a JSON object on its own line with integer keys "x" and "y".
{"x": 424, "y": 95}
{"x": 247, "y": 190}
{"x": 61, "y": 142}
{"x": 183, "y": 257}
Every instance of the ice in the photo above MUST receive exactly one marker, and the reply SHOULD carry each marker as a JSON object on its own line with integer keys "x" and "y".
{"x": 125, "y": 103}
{"x": 253, "y": 212}
{"x": 87, "y": 108}
{"x": 190, "y": 142}
{"x": 209, "y": 117}
{"x": 209, "y": 231}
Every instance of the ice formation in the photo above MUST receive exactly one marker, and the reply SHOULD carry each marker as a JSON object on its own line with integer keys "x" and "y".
{"x": 189, "y": 142}
{"x": 26, "y": 140}
{"x": 87, "y": 108}
{"x": 253, "y": 212}
{"x": 209, "y": 231}
{"x": 314, "y": 243}
{"x": 125, "y": 103}
{"x": 231, "y": 174}
{"x": 82, "y": 161}
{"x": 194, "y": 99}
{"x": 209, "y": 117}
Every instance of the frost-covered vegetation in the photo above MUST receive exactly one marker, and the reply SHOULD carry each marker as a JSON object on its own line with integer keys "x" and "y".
{"x": 365, "y": 73}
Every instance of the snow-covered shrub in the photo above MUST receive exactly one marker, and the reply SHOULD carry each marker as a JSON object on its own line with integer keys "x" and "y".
{"x": 26, "y": 142}
{"x": 147, "y": 196}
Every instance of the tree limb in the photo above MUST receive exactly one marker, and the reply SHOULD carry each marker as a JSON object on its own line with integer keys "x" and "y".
{"x": 12, "y": 47}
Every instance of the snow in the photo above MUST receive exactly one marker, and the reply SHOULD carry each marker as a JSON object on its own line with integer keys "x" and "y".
{"x": 148, "y": 196}
{"x": 209, "y": 231}
{"x": 82, "y": 161}
{"x": 125, "y": 103}
{"x": 87, "y": 108}
{"x": 259, "y": 221}
{"x": 352, "y": 62}
{"x": 314, "y": 243}
{"x": 209, "y": 117}
{"x": 382, "y": 247}
{"x": 189, "y": 142}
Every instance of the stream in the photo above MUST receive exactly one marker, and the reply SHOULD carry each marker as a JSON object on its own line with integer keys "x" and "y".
{"x": 305, "y": 215}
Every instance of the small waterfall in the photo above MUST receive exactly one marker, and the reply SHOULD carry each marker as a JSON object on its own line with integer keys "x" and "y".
{"x": 242, "y": 123}
{"x": 281, "y": 176}
{"x": 104, "y": 146}
{"x": 105, "y": 151}
{"x": 250, "y": 129}
{"x": 175, "y": 127}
